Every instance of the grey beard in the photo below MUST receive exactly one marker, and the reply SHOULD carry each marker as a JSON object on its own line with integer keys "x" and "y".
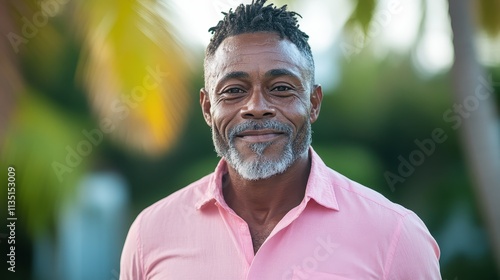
{"x": 262, "y": 167}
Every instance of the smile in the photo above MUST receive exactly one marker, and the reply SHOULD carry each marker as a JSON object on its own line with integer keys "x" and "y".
{"x": 255, "y": 136}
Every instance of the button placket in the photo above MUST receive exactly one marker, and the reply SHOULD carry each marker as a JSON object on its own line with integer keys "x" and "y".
{"x": 245, "y": 240}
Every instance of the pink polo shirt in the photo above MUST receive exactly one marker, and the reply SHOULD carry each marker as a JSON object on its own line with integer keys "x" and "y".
{"x": 340, "y": 230}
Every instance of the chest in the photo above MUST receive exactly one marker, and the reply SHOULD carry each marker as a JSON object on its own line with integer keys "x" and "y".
{"x": 260, "y": 233}
{"x": 297, "y": 252}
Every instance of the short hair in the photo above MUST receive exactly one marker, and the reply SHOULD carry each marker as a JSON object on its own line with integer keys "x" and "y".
{"x": 256, "y": 17}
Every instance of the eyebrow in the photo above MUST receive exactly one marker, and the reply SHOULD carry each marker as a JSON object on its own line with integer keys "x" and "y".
{"x": 234, "y": 75}
{"x": 280, "y": 72}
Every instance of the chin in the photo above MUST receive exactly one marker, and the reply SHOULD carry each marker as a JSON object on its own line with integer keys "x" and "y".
{"x": 262, "y": 166}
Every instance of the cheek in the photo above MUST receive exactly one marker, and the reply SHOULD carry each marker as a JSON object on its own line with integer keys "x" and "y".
{"x": 298, "y": 113}
{"x": 221, "y": 120}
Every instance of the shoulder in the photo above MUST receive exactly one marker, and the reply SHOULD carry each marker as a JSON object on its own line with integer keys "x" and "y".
{"x": 157, "y": 226}
{"x": 366, "y": 207}
{"x": 350, "y": 192}
{"x": 411, "y": 251}
{"x": 348, "y": 195}
{"x": 410, "y": 246}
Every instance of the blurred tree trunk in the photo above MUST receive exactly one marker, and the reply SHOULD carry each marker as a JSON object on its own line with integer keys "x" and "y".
{"x": 479, "y": 127}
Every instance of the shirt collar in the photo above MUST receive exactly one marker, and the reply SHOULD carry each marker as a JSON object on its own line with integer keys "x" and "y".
{"x": 320, "y": 186}
{"x": 213, "y": 192}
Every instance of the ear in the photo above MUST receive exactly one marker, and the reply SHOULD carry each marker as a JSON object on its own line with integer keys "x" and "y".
{"x": 316, "y": 98}
{"x": 205, "y": 106}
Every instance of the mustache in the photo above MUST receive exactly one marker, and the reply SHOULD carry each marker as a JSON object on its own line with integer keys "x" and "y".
{"x": 259, "y": 125}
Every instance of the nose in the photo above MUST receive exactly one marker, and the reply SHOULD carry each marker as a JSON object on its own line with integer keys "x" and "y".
{"x": 258, "y": 107}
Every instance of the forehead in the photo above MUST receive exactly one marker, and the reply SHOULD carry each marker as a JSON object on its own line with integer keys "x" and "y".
{"x": 255, "y": 52}
{"x": 256, "y": 42}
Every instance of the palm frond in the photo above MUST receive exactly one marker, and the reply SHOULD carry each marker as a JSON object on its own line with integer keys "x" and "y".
{"x": 135, "y": 71}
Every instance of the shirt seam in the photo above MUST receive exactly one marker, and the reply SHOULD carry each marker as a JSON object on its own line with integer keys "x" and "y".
{"x": 403, "y": 213}
{"x": 140, "y": 249}
{"x": 392, "y": 248}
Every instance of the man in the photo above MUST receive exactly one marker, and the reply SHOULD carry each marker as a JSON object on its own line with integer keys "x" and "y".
{"x": 272, "y": 209}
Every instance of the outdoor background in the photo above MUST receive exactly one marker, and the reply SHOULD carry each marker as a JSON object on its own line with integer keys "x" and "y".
{"x": 99, "y": 117}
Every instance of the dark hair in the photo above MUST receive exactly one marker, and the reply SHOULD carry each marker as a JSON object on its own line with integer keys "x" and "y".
{"x": 256, "y": 17}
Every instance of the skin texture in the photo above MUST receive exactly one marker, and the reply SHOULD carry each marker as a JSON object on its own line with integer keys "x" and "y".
{"x": 260, "y": 77}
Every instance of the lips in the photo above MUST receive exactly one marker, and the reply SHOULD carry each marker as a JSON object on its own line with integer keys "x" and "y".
{"x": 264, "y": 135}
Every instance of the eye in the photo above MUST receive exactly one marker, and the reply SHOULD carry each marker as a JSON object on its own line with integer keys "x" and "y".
{"x": 233, "y": 90}
{"x": 281, "y": 88}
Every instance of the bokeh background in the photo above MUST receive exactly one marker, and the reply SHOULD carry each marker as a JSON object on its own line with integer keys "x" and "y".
{"x": 99, "y": 116}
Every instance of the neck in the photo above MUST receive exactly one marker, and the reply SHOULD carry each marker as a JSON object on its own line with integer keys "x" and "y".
{"x": 267, "y": 200}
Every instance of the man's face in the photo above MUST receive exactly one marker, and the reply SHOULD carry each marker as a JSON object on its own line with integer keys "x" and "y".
{"x": 260, "y": 103}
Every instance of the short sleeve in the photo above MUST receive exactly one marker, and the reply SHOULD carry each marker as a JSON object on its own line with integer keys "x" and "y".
{"x": 131, "y": 263}
{"x": 414, "y": 253}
